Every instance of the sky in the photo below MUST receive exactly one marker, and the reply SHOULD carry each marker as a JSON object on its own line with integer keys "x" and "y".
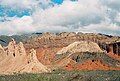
{"x": 57, "y": 1}
{"x": 88, "y": 16}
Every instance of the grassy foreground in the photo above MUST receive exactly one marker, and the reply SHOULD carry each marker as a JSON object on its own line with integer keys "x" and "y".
{"x": 61, "y": 75}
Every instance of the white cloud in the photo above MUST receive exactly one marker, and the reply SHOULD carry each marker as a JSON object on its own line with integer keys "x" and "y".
{"x": 24, "y": 4}
{"x": 103, "y": 27}
{"x": 100, "y": 16}
{"x": 70, "y": 13}
{"x": 113, "y": 4}
{"x": 17, "y": 25}
{"x": 117, "y": 18}
{"x": 25, "y": 24}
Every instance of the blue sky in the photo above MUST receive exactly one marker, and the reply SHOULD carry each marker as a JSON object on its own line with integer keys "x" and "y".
{"x": 57, "y": 1}
{"x": 8, "y": 12}
{"x": 27, "y": 16}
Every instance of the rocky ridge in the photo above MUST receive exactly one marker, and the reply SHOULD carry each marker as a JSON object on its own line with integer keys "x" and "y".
{"x": 108, "y": 43}
{"x": 67, "y": 50}
{"x": 15, "y": 60}
{"x": 80, "y": 46}
{"x": 56, "y": 46}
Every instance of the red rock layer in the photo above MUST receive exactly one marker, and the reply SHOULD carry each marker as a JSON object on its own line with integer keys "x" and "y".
{"x": 45, "y": 55}
{"x": 114, "y": 56}
{"x": 89, "y": 65}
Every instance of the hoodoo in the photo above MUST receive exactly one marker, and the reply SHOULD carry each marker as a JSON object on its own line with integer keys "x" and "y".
{"x": 33, "y": 65}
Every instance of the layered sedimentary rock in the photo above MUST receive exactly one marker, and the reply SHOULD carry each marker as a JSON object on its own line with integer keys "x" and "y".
{"x": 55, "y": 49}
{"x": 61, "y": 51}
{"x": 113, "y": 48}
{"x": 66, "y": 34}
{"x": 83, "y": 51}
{"x": 80, "y": 46}
{"x": 47, "y": 35}
{"x": 48, "y": 40}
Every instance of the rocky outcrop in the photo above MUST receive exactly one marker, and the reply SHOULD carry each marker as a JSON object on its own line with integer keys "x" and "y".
{"x": 48, "y": 40}
{"x": 14, "y": 49}
{"x": 16, "y": 60}
{"x": 113, "y": 48}
{"x": 47, "y": 35}
{"x": 58, "y": 50}
{"x": 2, "y": 55}
{"x": 83, "y": 51}
{"x": 80, "y": 46}
{"x": 33, "y": 65}
{"x": 64, "y": 39}
{"x": 55, "y": 50}
{"x": 66, "y": 34}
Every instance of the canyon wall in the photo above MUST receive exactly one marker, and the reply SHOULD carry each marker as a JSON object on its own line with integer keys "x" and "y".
{"x": 49, "y": 40}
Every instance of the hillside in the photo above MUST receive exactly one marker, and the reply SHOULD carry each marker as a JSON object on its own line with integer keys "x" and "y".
{"x": 39, "y": 53}
{"x": 4, "y": 39}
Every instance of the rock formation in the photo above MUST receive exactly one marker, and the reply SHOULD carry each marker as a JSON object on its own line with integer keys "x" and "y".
{"x": 113, "y": 48}
{"x": 81, "y": 46}
{"x": 56, "y": 50}
{"x": 83, "y": 51}
{"x": 2, "y": 55}
{"x": 33, "y": 66}
{"x": 66, "y": 34}
{"x": 16, "y": 60}
{"x": 47, "y": 35}
{"x": 60, "y": 51}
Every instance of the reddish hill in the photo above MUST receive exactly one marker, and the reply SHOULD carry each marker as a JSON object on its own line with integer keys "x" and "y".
{"x": 48, "y": 45}
{"x": 67, "y": 50}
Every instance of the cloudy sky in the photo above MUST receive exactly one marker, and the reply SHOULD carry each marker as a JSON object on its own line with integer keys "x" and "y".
{"x": 28, "y": 16}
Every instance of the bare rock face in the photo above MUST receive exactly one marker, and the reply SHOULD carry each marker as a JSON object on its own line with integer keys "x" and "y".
{"x": 67, "y": 34}
{"x": 11, "y": 47}
{"x": 14, "y": 49}
{"x": 34, "y": 66}
{"x": 1, "y": 46}
{"x": 47, "y": 35}
{"x": 19, "y": 49}
{"x": 14, "y": 59}
{"x": 2, "y": 55}
{"x": 33, "y": 57}
{"x": 1, "y": 49}
{"x": 82, "y": 46}
{"x": 113, "y": 48}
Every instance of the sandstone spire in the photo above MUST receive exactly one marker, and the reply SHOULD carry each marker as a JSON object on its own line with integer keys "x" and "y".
{"x": 11, "y": 47}
{"x": 34, "y": 66}
{"x": 1, "y": 46}
{"x": 17, "y": 61}
{"x": 19, "y": 49}
{"x": 33, "y": 57}
{"x": 2, "y": 52}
